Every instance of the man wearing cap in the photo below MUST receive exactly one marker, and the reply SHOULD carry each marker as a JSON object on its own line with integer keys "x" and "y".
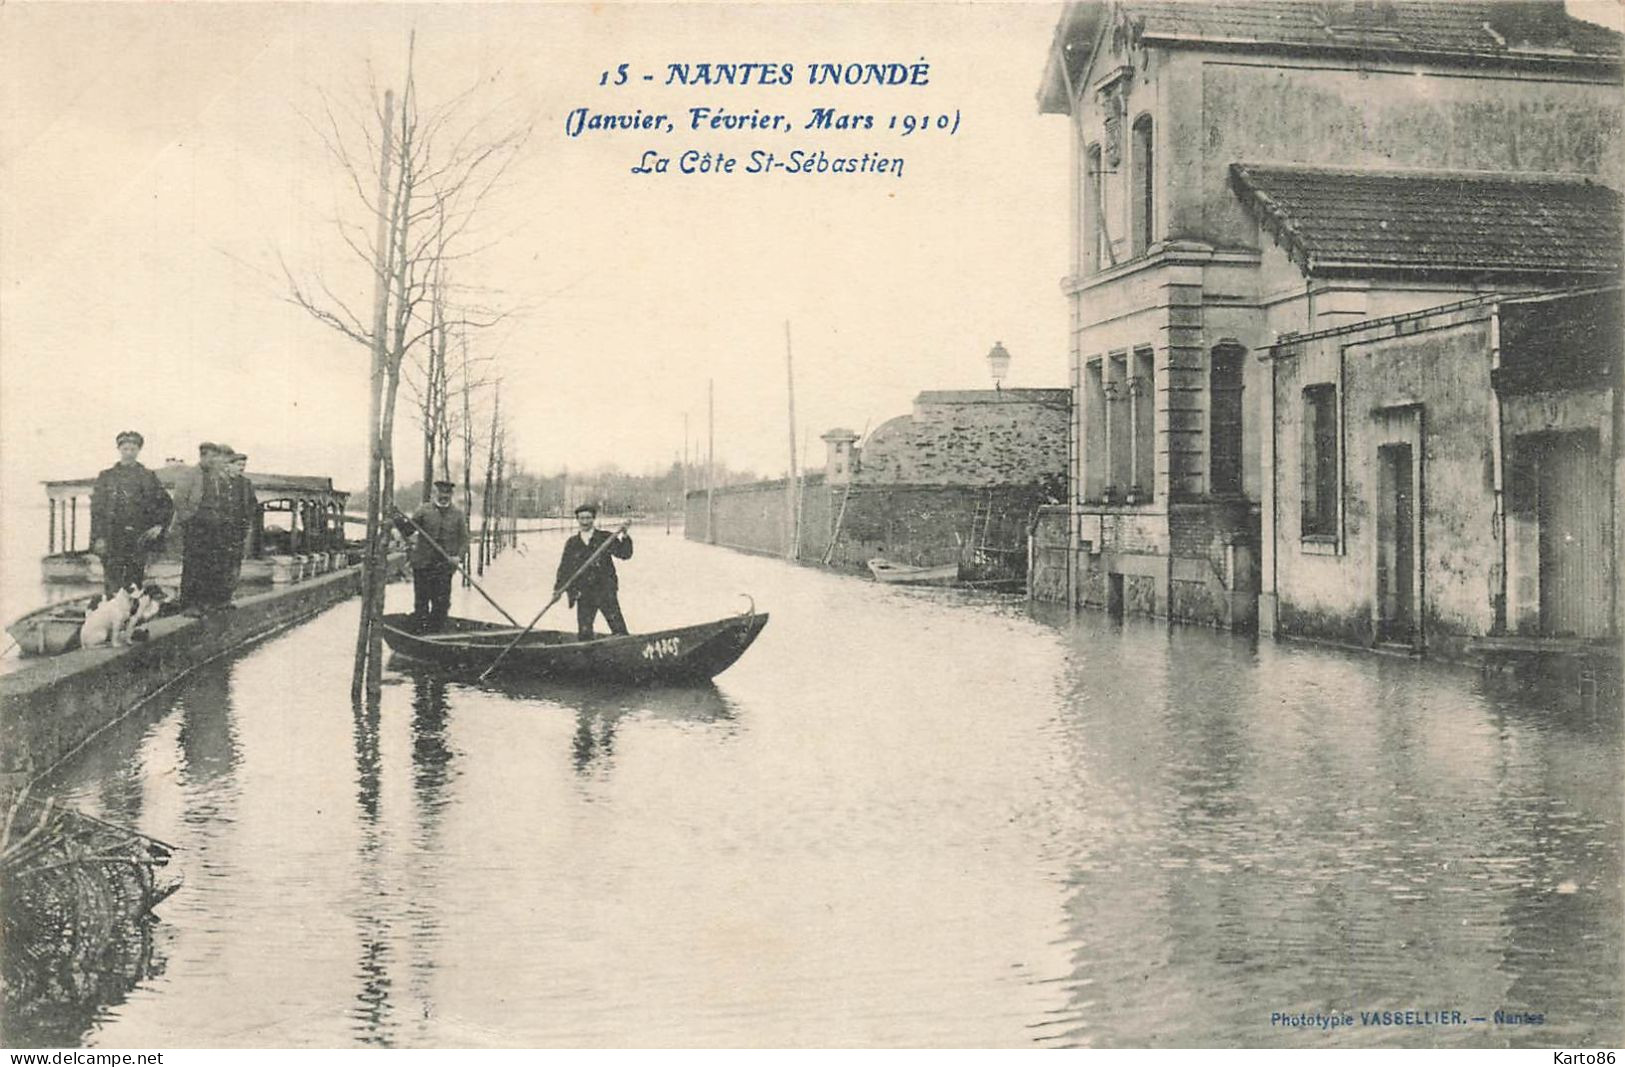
{"x": 596, "y": 588}
{"x": 205, "y": 517}
{"x": 431, "y": 571}
{"x": 128, "y": 512}
{"x": 244, "y": 510}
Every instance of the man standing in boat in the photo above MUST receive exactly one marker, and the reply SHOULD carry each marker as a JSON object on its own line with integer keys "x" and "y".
{"x": 444, "y": 523}
{"x": 128, "y": 513}
{"x": 596, "y": 588}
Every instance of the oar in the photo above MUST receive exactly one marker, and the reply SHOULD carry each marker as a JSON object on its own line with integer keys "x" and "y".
{"x": 556, "y": 594}
{"x": 458, "y": 564}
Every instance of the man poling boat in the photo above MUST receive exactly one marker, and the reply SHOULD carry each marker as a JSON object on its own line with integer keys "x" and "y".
{"x": 685, "y": 654}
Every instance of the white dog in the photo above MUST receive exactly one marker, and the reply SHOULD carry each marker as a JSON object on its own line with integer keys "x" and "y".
{"x": 112, "y": 620}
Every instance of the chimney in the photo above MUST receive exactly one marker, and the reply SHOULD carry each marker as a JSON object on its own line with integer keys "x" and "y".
{"x": 1529, "y": 22}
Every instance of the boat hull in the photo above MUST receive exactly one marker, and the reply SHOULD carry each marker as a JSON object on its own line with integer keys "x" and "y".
{"x": 51, "y": 630}
{"x": 687, "y": 654}
{"x": 902, "y": 574}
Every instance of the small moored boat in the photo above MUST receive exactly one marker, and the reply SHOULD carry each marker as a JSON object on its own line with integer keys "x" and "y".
{"x": 50, "y": 630}
{"x": 687, "y": 654}
{"x": 885, "y": 570}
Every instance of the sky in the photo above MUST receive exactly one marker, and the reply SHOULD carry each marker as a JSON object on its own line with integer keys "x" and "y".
{"x": 157, "y": 169}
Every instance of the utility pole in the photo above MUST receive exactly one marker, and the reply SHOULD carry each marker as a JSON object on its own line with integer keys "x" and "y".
{"x": 792, "y": 519}
{"x": 685, "y": 474}
{"x": 711, "y": 461}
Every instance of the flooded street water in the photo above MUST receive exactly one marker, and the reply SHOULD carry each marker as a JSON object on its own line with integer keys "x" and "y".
{"x": 904, "y": 818}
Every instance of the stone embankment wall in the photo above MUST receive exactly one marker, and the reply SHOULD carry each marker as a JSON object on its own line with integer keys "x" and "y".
{"x": 51, "y": 707}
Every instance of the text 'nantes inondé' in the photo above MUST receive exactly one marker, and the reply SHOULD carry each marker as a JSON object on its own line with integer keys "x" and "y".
{"x": 758, "y": 118}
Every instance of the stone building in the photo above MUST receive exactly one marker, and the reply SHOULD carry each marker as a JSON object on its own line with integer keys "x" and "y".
{"x": 1448, "y": 475}
{"x": 1250, "y": 169}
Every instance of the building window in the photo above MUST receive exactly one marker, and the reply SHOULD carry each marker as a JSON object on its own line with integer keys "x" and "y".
{"x": 1141, "y": 192}
{"x": 1320, "y": 461}
{"x": 1094, "y": 210}
{"x": 1094, "y": 459}
{"x": 1224, "y": 420}
{"x": 1142, "y": 390}
{"x": 1119, "y": 428}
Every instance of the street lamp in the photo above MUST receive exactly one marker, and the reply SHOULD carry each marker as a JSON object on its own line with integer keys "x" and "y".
{"x": 998, "y": 364}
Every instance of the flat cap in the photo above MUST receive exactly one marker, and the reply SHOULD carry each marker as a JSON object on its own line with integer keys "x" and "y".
{"x": 445, "y": 485}
{"x": 131, "y": 435}
{"x": 590, "y": 509}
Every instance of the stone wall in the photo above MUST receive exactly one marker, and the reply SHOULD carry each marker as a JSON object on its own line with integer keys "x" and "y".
{"x": 1048, "y": 580}
{"x": 977, "y": 438}
{"x": 919, "y": 525}
{"x": 50, "y": 707}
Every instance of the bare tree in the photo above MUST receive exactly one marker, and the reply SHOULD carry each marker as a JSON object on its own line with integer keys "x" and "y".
{"x": 437, "y": 168}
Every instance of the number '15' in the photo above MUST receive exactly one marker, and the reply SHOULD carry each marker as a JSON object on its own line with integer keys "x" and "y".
{"x": 620, "y": 76}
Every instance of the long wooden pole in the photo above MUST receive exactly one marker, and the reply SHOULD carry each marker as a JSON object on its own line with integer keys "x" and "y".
{"x": 459, "y": 565}
{"x": 557, "y": 593}
{"x": 377, "y": 555}
{"x": 840, "y": 518}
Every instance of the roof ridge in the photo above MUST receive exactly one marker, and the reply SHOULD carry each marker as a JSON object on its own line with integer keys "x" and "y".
{"x": 1439, "y": 174}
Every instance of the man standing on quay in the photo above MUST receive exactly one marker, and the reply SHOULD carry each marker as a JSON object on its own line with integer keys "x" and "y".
{"x": 205, "y": 514}
{"x": 431, "y": 571}
{"x": 128, "y": 513}
{"x": 596, "y": 588}
{"x": 244, "y": 511}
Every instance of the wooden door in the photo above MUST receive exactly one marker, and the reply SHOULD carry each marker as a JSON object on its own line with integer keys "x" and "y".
{"x": 1396, "y": 544}
{"x": 1573, "y": 518}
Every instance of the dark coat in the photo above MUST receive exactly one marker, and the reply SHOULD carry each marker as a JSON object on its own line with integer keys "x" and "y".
{"x": 448, "y": 528}
{"x": 126, "y": 501}
{"x": 599, "y": 579}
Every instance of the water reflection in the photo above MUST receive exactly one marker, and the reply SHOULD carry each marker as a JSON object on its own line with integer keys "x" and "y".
{"x": 900, "y": 820}
{"x": 1332, "y": 832}
{"x": 372, "y": 1014}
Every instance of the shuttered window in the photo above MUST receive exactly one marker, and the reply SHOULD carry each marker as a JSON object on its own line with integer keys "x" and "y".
{"x": 1320, "y": 461}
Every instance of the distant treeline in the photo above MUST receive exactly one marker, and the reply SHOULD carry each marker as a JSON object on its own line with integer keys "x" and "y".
{"x": 612, "y": 489}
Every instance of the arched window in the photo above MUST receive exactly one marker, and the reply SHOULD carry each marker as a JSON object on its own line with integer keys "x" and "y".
{"x": 1141, "y": 195}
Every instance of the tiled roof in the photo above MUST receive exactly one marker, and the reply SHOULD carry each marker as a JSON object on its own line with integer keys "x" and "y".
{"x": 1431, "y": 222}
{"x": 1478, "y": 27}
{"x": 1472, "y": 32}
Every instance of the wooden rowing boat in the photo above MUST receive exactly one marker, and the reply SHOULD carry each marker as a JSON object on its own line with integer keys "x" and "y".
{"x": 687, "y": 654}
{"x": 885, "y": 570}
{"x": 51, "y": 630}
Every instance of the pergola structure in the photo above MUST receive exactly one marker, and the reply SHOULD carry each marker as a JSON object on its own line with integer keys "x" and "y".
{"x": 315, "y": 510}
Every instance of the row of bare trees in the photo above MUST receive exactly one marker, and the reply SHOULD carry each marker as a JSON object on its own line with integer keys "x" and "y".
{"x": 436, "y": 166}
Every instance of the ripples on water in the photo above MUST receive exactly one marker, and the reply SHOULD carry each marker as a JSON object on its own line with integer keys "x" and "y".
{"x": 904, "y": 818}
